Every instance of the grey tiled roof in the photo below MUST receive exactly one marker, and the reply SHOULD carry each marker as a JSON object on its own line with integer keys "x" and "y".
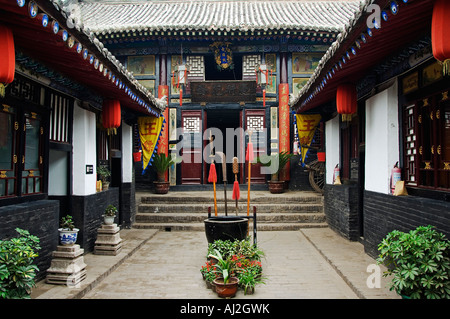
{"x": 109, "y": 17}
{"x": 71, "y": 13}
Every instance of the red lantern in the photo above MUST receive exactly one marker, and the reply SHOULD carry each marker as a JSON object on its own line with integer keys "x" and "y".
{"x": 440, "y": 26}
{"x": 111, "y": 116}
{"x": 346, "y": 101}
{"x": 7, "y": 64}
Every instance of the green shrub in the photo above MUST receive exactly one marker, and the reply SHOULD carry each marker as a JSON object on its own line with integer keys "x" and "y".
{"x": 419, "y": 262}
{"x": 17, "y": 272}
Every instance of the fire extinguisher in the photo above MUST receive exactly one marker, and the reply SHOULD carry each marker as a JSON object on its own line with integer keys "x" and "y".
{"x": 336, "y": 175}
{"x": 396, "y": 175}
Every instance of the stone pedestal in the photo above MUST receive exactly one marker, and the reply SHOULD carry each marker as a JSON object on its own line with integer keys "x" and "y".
{"x": 67, "y": 266}
{"x": 108, "y": 240}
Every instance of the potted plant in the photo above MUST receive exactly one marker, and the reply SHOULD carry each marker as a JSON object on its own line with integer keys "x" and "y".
{"x": 275, "y": 162}
{"x": 209, "y": 273}
{"x": 67, "y": 233}
{"x": 161, "y": 164}
{"x": 226, "y": 284}
{"x": 17, "y": 272}
{"x": 104, "y": 174}
{"x": 249, "y": 273}
{"x": 419, "y": 262}
{"x": 248, "y": 280}
{"x": 110, "y": 214}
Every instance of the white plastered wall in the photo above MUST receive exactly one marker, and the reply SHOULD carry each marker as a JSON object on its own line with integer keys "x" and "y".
{"x": 332, "y": 147}
{"x": 127, "y": 153}
{"x": 382, "y": 139}
{"x": 84, "y": 151}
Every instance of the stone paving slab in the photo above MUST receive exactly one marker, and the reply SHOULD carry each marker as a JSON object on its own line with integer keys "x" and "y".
{"x": 305, "y": 264}
{"x": 98, "y": 267}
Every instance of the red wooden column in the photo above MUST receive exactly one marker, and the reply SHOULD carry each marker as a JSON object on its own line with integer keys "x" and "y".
{"x": 283, "y": 115}
{"x": 163, "y": 90}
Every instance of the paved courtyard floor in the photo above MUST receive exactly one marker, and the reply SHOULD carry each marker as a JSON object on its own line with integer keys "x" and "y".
{"x": 306, "y": 264}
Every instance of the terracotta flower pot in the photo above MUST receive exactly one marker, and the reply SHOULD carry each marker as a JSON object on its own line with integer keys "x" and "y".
{"x": 227, "y": 290}
{"x": 161, "y": 187}
{"x": 276, "y": 187}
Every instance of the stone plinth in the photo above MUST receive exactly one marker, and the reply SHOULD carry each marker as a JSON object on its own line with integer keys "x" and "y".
{"x": 67, "y": 266}
{"x": 108, "y": 240}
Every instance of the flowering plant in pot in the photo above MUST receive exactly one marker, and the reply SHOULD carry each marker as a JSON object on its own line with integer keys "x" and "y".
{"x": 209, "y": 273}
{"x": 110, "y": 214}
{"x": 226, "y": 284}
{"x": 419, "y": 262}
{"x": 249, "y": 273}
{"x": 275, "y": 163}
{"x": 67, "y": 233}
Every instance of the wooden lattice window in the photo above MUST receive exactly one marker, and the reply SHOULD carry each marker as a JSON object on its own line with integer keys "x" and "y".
{"x": 427, "y": 142}
{"x": 60, "y": 118}
{"x": 410, "y": 128}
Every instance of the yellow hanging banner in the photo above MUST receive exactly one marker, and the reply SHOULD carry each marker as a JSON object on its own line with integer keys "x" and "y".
{"x": 306, "y": 127}
{"x": 149, "y": 131}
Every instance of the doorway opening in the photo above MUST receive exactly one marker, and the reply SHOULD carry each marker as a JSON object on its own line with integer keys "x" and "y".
{"x": 222, "y": 119}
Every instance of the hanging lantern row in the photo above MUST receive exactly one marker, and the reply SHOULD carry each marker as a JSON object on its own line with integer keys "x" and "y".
{"x": 440, "y": 25}
{"x": 33, "y": 12}
{"x": 393, "y": 8}
{"x": 111, "y": 115}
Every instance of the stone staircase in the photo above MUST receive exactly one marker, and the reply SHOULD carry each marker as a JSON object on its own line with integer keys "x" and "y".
{"x": 186, "y": 210}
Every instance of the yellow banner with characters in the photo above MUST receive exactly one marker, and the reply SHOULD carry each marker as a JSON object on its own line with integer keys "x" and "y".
{"x": 149, "y": 131}
{"x": 306, "y": 127}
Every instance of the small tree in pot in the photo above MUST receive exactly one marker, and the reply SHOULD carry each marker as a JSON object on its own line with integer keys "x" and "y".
{"x": 104, "y": 174}
{"x": 110, "y": 214}
{"x": 67, "y": 233}
{"x": 275, "y": 163}
{"x": 161, "y": 164}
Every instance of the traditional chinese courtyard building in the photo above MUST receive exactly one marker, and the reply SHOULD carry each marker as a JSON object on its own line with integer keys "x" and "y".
{"x": 220, "y": 64}
{"x": 388, "y": 78}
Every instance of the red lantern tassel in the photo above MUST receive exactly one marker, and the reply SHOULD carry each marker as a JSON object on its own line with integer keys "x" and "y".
{"x": 212, "y": 178}
{"x": 249, "y": 156}
{"x": 264, "y": 97}
{"x": 181, "y": 97}
{"x": 236, "y": 191}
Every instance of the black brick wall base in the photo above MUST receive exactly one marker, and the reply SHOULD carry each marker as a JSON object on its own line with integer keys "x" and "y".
{"x": 41, "y": 219}
{"x": 384, "y": 213}
{"x": 87, "y": 214}
{"x": 341, "y": 210}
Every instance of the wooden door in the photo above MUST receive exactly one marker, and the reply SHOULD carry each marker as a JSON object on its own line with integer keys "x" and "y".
{"x": 191, "y": 166}
{"x": 256, "y": 121}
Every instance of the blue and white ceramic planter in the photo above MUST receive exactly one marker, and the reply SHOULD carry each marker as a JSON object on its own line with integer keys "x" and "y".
{"x": 108, "y": 220}
{"x": 68, "y": 237}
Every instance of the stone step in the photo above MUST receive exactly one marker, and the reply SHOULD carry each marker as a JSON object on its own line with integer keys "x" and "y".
{"x": 186, "y": 211}
{"x": 208, "y": 197}
{"x": 201, "y": 226}
{"x": 261, "y": 218}
{"x": 202, "y": 208}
